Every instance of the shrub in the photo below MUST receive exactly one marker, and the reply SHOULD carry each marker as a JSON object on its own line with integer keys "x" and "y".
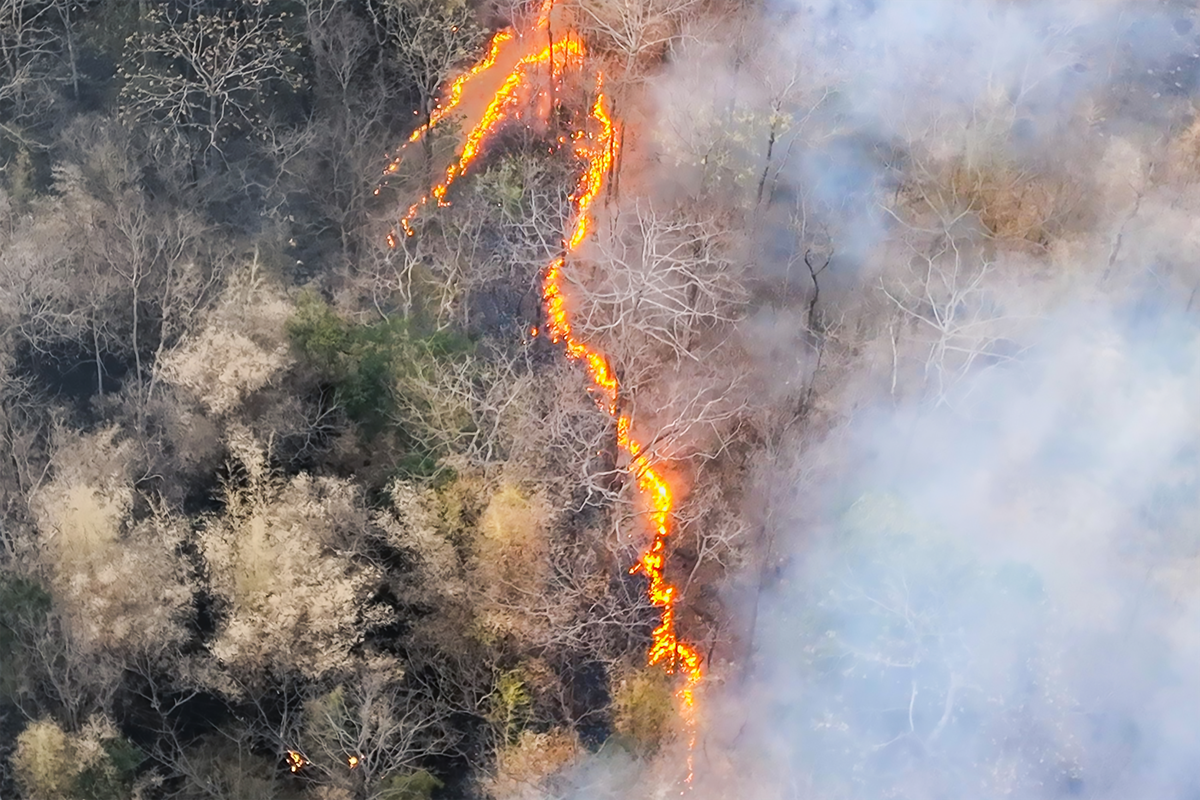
{"x": 381, "y": 375}
{"x": 419, "y": 785}
{"x": 279, "y": 559}
{"x": 644, "y": 708}
{"x": 44, "y": 762}
{"x": 512, "y": 532}
{"x": 512, "y": 557}
{"x": 509, "y": 706}
{"x": 94, "y": 764}
{"x": 1009, "y": 202}
{"x": 528, "y": 761}
{"x": 120, "y": 583}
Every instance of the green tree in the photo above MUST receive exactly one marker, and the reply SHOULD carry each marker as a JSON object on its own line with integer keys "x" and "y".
{"x": 387, "y": 375}
{"x": 24, "y": 606}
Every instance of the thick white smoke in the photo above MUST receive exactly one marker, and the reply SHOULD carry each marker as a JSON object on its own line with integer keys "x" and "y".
{"x": 984, "y": 572}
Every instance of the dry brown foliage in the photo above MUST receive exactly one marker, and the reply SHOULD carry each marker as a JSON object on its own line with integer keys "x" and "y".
{"x": 1009, "y": 201}
{"x": 644, "y": 707}
{"x": 523, "y": 766}
{"x": 281, "y": 558}
{"x": 241, "y": 347}
{"x": 120, "y": 582}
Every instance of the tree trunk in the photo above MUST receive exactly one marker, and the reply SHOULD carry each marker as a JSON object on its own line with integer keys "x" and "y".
{"x": 64, "y": 11}
{"x": 99, "y": 363}
{"x": 762, "y": 180}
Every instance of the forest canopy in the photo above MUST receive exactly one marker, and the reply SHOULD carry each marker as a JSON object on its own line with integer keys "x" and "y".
{"x": 422, "y": 399}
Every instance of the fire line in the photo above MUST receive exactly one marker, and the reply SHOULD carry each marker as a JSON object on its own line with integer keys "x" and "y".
{"x": 595, "y": 145}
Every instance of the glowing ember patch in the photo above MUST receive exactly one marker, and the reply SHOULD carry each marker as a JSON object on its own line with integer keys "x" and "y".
{"x": 295, "y": 761}
{"x": 352, "y": 761}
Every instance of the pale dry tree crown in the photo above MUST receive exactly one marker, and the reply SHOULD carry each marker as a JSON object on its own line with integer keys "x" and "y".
{"x": 281, "y": 561}
{"x": 119, "y": 580}
{"x": 241, "y": 348}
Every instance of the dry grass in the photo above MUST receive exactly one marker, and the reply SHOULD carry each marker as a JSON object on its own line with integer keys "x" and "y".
{"x": 523, "y": 766}
{"x": 1009, "y": 202}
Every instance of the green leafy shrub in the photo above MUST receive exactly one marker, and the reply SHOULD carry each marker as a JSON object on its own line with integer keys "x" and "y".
{"x": 381, "y": 373}
{"x": 644, "y": 708}
{"x": 510, "y": 705}
{"x": 419, "y": 785}
{"x": 110, "y": 777}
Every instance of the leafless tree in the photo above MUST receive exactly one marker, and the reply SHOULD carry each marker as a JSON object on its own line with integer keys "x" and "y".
{"x": 465, "y": 405}
{"x": 956, "y": 321}
{"x": 371, "y": 728}
{"x": 29, "y": 59}
{"x": 659, "y": 283}
{"x": 206, "y": 72}
{"x": 77, "y": 681}
{"x": 429, "y": 40}
{"x": 334, "y": 159}
{"x": 634, "y": 34}
{"x": 139, "y": 277}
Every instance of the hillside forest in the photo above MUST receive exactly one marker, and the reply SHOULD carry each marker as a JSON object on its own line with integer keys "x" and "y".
{"x": 588, "y": 399}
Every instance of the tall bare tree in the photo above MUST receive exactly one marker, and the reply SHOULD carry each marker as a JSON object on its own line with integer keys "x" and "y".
{"x": 207, "y": 72}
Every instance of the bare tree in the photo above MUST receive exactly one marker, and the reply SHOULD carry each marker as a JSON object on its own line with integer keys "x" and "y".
{"x": 464, "y": 405}
{"x": 429, "y": 40}
{"x": 660, "y": 283}
{"x": 206, "y": 72}
{"x": 332, "y": 159}
{"x": 634, "y": 34}
{"x": 371, "y": 729}
{"x": 29, "y": 59}
{"x": 955, "y": 319}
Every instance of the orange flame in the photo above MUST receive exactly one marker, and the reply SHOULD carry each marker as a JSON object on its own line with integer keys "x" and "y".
{"x": 595, "y": 146}
{"x": 295, "y": 761}
{"x": 508, "y": 97}
{"x": 666, "y": 650}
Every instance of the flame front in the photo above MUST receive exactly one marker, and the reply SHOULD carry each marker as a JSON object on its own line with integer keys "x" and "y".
{"x": 595, "y": 145}
{"x": 507, "y": 99}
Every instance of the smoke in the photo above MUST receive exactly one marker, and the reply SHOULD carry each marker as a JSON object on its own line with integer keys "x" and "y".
{"x": 999, "y": 599}
{"x": 982, "y": 577}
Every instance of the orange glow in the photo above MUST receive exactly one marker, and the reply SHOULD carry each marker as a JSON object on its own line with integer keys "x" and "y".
{"x": 295, "y": 761}
{"x": 595, "y": 144}
{"x": 597, "y": 152}
{"x": 507, "y": 99}
{"x": 453, "y": 97}
{"x": 352, "y": 761}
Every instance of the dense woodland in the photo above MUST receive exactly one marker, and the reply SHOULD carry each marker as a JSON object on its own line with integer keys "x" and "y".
{"x": 286, "y": 512}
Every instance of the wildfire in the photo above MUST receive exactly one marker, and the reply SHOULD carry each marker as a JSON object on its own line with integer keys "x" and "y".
{"x": 595, "y": 145}
{"x": 509, "y": 97}
{"x": 295, "y": 761}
